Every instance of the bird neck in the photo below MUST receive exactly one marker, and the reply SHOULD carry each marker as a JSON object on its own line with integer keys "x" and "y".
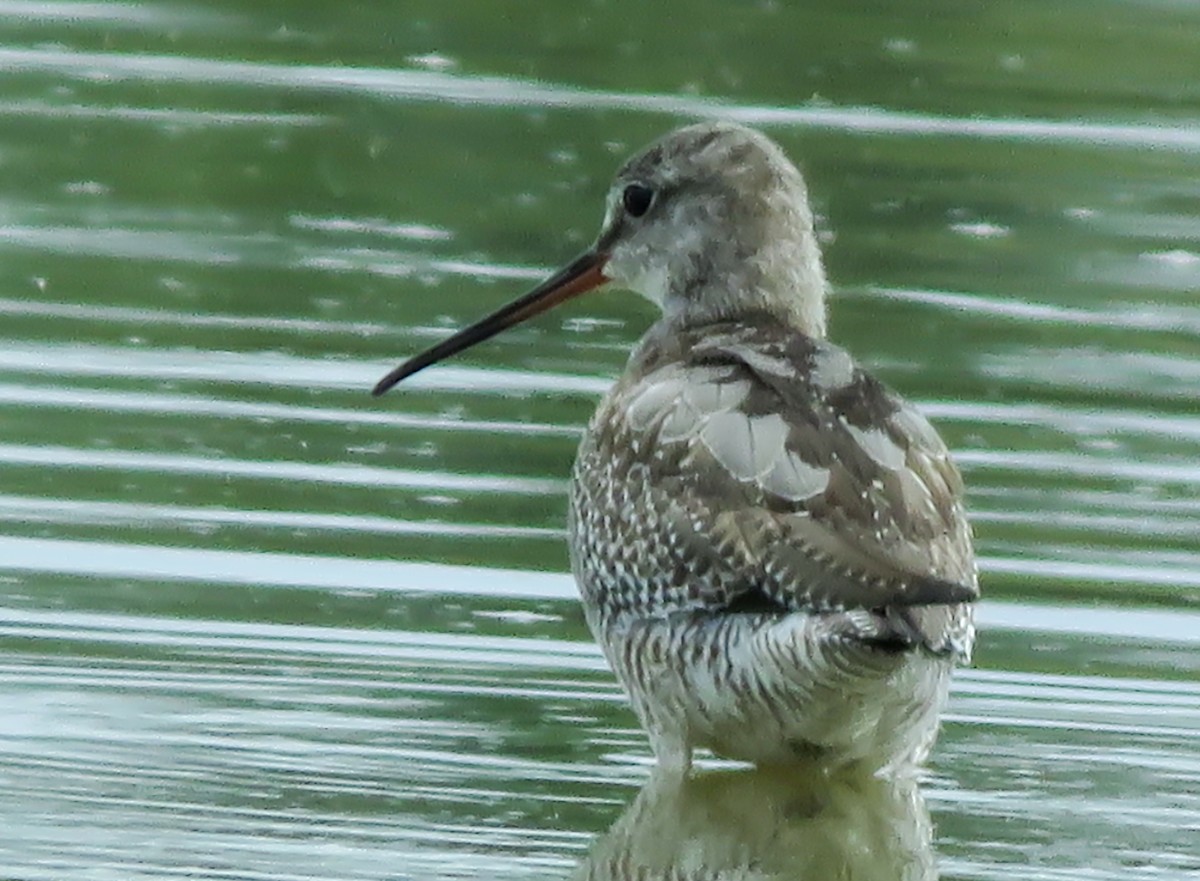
{"x": 784, "y": 283}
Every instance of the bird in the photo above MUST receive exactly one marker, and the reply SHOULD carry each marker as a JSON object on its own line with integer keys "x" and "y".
{"x": 770, "y": 545}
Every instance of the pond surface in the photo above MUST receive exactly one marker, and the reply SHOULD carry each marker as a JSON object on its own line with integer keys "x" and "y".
{"x": 257, "y": 625}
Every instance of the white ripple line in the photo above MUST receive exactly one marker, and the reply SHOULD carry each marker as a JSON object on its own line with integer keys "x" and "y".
{"x": 1159, "y": 576}
{"x": 1013, "y": 308}
{"x": 130, "y": 14}
{"x": 1085, "y": 421}
{"x": 258, "y": 369}
{"x": 335, "y": 473}
{"x": 1078, "y": 466}
{"x": 160, "y": 115}
{"x": 191, "y": 406}
{"x": 272, "y": 569}
{"x": 134, "y": 315}
{"x": 414, "y": 85}
{"x": 72, "y": 512}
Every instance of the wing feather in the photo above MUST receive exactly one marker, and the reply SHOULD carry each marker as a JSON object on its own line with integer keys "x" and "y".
{"x": 799, "y": 476}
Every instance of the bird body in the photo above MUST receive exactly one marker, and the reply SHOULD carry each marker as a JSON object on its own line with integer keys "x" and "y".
{"x": 751, "y": 586}
{"x": 770, "y": 545}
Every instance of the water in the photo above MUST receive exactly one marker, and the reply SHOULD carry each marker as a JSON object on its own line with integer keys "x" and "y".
{"x": 257, "y": 625}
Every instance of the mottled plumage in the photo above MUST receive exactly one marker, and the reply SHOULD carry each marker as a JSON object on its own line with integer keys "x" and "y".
{"x": 770, "y": 544}
{"x": 771, "y": 547}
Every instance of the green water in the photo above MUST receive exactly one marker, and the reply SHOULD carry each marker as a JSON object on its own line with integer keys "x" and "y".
{"x": 257, "y": 625}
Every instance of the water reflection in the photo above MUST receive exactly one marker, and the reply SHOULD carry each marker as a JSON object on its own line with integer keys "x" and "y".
{"x": 769, "y": 823}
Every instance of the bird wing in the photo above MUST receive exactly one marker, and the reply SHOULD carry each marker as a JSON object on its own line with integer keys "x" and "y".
{"x": 801, "y": 475}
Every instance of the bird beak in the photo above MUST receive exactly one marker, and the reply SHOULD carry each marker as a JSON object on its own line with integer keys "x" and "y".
{"x": 583, "y": 274}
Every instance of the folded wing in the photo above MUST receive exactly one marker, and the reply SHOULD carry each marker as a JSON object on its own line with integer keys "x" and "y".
{"x": 800, "y": 475}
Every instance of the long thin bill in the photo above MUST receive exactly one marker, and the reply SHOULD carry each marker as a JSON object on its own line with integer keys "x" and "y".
{"x": 581, "y": 275}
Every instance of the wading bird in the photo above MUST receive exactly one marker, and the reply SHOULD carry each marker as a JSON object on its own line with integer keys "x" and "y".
{"x": 770, "y": 545}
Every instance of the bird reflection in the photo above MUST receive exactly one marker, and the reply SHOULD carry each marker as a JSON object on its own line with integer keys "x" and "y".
{"x": 769, "y": 823}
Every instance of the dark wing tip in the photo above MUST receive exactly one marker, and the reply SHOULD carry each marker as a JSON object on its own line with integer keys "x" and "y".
{"x": 755, "y": 602}
{"x": 928, "y": 591}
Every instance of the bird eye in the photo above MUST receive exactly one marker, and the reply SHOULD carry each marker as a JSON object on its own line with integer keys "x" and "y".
{"x": 637, "y": 199}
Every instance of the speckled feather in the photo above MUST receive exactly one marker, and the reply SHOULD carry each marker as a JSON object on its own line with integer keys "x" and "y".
{"x": 815, "y": 487}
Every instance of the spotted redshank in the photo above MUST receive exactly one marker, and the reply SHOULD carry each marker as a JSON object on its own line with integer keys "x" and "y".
{"x": 770, "y": 544}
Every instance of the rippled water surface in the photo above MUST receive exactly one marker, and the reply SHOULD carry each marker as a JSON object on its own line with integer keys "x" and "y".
{"x": 257, "y": 625}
